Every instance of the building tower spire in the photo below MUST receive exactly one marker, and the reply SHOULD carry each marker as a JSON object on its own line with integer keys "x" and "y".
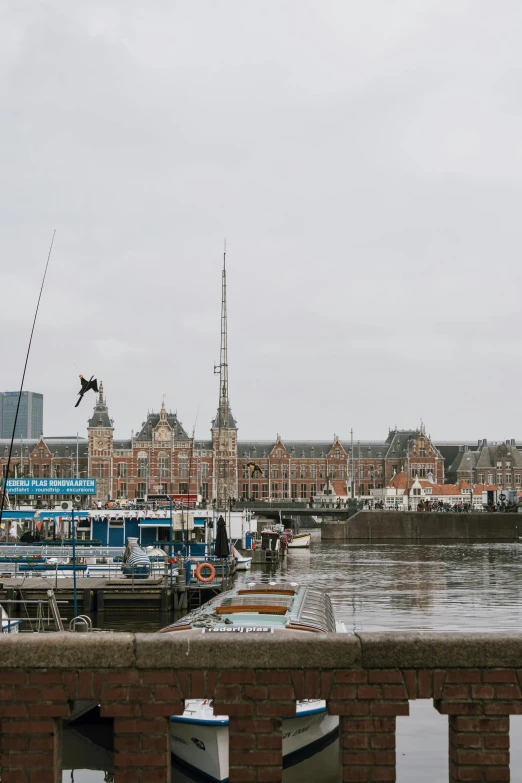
{"x": 224, "y": 428}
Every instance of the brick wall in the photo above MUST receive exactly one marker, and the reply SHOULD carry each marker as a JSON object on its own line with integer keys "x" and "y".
{"x": 367, "y": 680}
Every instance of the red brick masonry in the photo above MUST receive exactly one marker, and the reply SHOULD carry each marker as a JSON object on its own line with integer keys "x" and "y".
{"x": 368, "y": 679}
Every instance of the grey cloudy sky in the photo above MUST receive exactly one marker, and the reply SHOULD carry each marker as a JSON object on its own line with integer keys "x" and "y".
{"x": 363, "y": 160}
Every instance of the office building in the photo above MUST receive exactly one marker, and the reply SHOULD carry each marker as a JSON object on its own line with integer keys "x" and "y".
{"x": 30, "y": 416}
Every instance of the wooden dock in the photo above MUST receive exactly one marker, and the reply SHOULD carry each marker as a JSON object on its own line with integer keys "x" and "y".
{"x": 99, "y": 594}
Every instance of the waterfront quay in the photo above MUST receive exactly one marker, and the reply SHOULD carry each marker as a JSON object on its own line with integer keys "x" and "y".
{"x": 367, "y": 679}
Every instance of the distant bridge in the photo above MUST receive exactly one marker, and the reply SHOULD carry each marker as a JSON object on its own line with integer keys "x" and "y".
{"x": 272, "y": 511}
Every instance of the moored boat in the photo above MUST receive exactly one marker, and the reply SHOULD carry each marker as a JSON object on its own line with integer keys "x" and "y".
{"x": 300, "y": 541}
{"x": 199, "y": 739}
{"x": 244, "y": 563}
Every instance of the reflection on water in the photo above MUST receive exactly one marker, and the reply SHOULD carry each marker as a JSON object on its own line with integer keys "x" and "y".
{"x": 436, "y": 586}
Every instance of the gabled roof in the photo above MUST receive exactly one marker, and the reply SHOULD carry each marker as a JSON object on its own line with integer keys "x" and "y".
{"x": 152, "y": 421}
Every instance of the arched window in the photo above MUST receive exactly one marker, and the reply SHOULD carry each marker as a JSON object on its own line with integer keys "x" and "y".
{"x": 143, "y": 465}
{"x": 163, "y": 466}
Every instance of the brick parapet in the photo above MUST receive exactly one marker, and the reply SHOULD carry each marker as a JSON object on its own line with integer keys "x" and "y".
{"x": 367, "y": 680}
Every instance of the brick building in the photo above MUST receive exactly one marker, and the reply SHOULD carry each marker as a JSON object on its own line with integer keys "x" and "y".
{"x": 161, "y": 457}
{"x": 489, "y": 463}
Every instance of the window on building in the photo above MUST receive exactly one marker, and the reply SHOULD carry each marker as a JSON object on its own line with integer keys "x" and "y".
{"x": 284, "y": 471}
{"x": 508, "y": 479}
{"x": 40, "y": 453}
{"x": 490, "y": 478}
{"x": 204, "y": 491}
{"x": 245, "y": 490}
{"x": 499, "y": 464}
{"x": 279, "y": 453}
{"x": 302, "y": 471}
{"x": 342, "y": 471}
{"x": 255, "y": 491}
{"x": 332, "y": 471}
{"x": 481, "y": 478}
{"x": 58, "y": 471}
{"x": 46, "y": 471}
{"x": 337, "y": 454}
{"x": 121, "y": 470}
{"x": 275, "y": 490}
{"x": 284, "y": 490}
{"x": 36, "y": 471}
{"x": 293, "y": 471}
{"x": 100, "y": 470}
{"x": 416, "y": 491}
{"x": 244, "y": 471}
{"x": 313, "y": 471}
{"x": 508, "y": 464}
{"x": 143, "y": 465}
{"x": 517, "y": 479}
{"x": 274, "y": 472}
{"x": 122, "y": 489}
{"x": 204, "y": 469}
{"x": 183, "y": 463}
{"x": 304, "y": 493}
{"x": 313, "y": 490}
{"x": 183, "y": 488}
{"x": 293, "y": 490}
{"x": 422, "y": 452}
{"x": 264, "y": 490}
{"x": 499, "y": 478}
{"x": 163, "y": 466}
{"x": 141, "y": 490}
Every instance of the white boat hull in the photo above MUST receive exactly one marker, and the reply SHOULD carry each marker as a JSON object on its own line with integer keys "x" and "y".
{"x": 300, "y": 542}
{"x": 244, "y": 564}
{"x": 202, "y": 744}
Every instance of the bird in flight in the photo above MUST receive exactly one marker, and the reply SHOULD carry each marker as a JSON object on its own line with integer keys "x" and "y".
{"x": 86, "y": 385}
{"x": 254, "y": 469}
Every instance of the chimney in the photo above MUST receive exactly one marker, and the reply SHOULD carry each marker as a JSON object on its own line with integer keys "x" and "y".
{"x": 479, "y": 443}
{"x": 461, "y": 449}
{"x": 484, "y": 442}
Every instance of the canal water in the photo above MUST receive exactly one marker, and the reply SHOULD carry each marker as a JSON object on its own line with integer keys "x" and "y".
{"x": 383, "y": 587}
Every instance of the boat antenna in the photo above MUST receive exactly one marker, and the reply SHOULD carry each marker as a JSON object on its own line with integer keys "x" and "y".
{"x": 2, "y": 502}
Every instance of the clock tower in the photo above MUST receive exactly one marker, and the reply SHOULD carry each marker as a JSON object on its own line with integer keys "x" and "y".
{"x": 100, "y": 434}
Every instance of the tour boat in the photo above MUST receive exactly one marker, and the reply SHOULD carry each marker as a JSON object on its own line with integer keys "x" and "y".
{"x": 198, "y": 738}
{"x": 300, "y": 541}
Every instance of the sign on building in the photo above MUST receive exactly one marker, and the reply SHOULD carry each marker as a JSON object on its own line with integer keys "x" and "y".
{"x": 49, "y": 486}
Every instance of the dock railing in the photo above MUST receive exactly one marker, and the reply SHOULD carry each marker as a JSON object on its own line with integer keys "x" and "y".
{"x": 368, "y": 679}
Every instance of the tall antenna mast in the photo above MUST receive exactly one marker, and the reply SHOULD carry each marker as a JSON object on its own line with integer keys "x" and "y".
{"x": 222, "y": 490}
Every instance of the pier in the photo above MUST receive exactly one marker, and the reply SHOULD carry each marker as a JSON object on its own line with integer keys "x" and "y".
{"x": 99, "y": 594}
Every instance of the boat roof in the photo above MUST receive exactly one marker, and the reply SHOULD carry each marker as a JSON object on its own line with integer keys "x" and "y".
{"x": 261, "y": 606}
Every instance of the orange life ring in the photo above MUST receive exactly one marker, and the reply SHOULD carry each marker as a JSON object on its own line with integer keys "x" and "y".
{"x": 173, "y": 560}
{"x": 199, "y": 570}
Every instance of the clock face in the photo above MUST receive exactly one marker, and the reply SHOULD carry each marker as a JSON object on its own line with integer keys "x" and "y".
{"x": 162, "y": 433}
{"x": 100, "y": 444}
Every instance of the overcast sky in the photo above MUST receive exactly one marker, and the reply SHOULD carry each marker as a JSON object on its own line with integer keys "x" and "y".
{"x": 363, "y": 160}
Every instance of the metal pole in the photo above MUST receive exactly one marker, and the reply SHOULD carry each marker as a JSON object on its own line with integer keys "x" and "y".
{"x": 352, "y": 472}
{"x": 75, "y": 597}
{"x": 359, "y": 469}
{"x": 77, "y": 445}
{"x": 170, "y": 542}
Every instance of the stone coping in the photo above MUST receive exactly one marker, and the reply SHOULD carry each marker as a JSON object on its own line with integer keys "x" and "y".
{"x": 297, "y": 650}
